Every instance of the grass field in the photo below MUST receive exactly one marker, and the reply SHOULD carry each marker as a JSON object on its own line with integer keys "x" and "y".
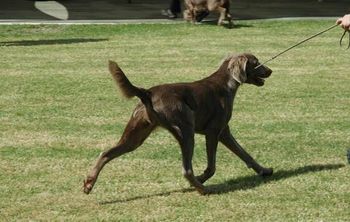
{"x": 59, "y": 108}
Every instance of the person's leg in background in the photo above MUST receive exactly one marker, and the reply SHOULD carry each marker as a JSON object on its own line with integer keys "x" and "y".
{"x": 173, "y": 10}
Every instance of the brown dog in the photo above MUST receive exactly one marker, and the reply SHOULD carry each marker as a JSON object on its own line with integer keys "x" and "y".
{"x": 196, "y": 7}
{"x": 204, "y": 107}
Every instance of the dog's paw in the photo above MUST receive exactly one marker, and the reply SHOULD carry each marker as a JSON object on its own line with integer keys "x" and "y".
{"x": 265, "y": 172}
{"x": 88, "y": 184}
{"x": 201, "y": 178}
{"x": 203, "y": 190}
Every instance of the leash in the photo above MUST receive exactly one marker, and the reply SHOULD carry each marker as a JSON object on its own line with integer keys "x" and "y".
{"x": 305, "y": 40}
{"x": 341, "y": 38}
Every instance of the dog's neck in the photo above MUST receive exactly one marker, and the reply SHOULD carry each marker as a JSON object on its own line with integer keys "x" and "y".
{"x": 225, "y": 79}
{"x": 233, "y": 83}
{"x": 224, "y": 84}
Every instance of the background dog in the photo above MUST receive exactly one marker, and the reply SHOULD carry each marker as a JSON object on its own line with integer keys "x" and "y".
{"x": 203, "y": 107}
{"x": 195, "y": 8}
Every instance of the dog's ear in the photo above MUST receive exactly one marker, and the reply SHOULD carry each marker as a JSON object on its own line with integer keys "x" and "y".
{"x": 237, "y": 68}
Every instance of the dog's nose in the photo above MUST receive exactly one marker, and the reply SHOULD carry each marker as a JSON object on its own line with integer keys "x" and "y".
{"x": 268, "y": 72}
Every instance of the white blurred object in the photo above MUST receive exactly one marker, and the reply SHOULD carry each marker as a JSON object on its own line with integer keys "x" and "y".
{"x": 52, "y": 8}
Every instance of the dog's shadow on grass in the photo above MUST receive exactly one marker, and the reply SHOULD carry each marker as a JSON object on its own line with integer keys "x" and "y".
{"x": 249, "y": 182}
{"x": 240, "y": 183}
{"x": 50, "y": 41}
{"x": 226, "y": 25}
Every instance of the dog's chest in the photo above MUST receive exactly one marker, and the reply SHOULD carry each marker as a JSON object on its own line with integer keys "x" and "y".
{"x": 226, "y": 104}
{"x": 214, "y": 112}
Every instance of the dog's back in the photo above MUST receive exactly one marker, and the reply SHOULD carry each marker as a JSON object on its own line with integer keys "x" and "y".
{"x": 156, "y": 98}
{"x": 208, "y": 4}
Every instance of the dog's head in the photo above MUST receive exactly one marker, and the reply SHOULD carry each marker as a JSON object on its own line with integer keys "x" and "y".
{"x": 243, "y": 69}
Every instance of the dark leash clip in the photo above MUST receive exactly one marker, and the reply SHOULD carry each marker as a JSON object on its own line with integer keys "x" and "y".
{"x": 341, "y": 38}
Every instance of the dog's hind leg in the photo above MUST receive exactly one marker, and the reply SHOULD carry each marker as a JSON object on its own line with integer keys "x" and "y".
{"x": 136, "y": 131}
{"x": 229, "y": 141}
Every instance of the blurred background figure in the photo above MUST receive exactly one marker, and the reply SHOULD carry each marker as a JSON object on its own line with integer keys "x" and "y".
{"x": 174, "y": 9}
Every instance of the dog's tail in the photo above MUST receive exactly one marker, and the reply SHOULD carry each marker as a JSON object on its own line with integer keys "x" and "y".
{"x": 128, "y": 89}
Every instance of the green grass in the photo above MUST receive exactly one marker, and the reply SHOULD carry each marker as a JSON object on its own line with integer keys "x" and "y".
{"x": 59, "y": 108}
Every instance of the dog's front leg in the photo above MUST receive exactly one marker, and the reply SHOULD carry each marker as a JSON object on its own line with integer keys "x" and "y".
{"x": 229, "y": 141}
{"x": 185, "y": 137}
{"x": 222, "y": 15}
{"x": 187, "y": 146}
{"x": 211, "y": 146}
{"x": 187, "y": 154}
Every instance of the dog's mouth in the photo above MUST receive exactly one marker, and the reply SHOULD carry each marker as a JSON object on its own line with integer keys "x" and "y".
{"x": 259, "y": 81}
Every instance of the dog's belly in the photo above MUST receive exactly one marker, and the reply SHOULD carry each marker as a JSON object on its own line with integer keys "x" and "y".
{"x": 212, "y": 121}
